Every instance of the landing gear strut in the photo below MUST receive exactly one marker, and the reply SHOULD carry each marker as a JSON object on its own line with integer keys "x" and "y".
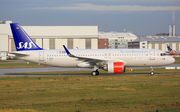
{"x": 152, "y": 73}
{"x": 95, "y": 71}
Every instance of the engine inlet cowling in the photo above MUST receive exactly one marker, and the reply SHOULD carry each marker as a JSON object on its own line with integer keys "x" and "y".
{"x": 116, "y": 67}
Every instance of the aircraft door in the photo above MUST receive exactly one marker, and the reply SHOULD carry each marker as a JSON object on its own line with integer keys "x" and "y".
{"x": 41, "y": 56}
{"x": 152, "y": 54}
{"x": 109, "y": 55}
{"x": 105, "y": 55}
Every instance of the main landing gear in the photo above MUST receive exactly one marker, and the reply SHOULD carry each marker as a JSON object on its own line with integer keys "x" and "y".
{"x": 152, "y": 73}
{"x": 95, "y": 71}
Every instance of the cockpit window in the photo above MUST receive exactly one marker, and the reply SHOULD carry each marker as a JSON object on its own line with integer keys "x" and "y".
{"x": 164, "y": 54}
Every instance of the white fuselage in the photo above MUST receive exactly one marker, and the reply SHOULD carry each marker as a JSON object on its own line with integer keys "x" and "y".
{"x": 130, "y": 57}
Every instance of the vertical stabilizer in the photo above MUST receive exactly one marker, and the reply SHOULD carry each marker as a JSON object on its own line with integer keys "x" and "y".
{"x": 21, "y": 39}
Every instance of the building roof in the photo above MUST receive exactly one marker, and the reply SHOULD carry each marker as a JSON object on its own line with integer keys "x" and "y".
{"x": 157, "y": 39}
{"x": 115, "y": 34}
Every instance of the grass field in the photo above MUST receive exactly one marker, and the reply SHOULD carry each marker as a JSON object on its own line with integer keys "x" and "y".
{"x": 20, "y": 65}
{"x": 177, "y": 60}
{"x": 87, "y": 93}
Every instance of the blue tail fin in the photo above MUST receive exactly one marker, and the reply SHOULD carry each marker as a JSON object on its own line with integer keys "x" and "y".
{"x": 21, "y": 39}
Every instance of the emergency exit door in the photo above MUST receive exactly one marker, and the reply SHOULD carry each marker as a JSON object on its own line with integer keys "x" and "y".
{"x": 152, "y": 55}
{"x": 41, "y": 56}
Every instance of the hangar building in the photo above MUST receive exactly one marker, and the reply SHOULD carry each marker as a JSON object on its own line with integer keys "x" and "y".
{"x": 117, "y": 40}
{"x": 156, "y": 43}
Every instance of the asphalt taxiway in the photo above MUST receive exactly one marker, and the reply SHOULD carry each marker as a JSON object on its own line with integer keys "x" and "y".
{"x": 50, "y": 69}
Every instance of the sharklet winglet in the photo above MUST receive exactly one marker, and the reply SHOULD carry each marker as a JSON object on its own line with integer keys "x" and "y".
{"x": 67, "y": 51}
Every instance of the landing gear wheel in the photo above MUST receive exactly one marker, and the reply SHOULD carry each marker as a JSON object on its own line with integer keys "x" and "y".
{"x": 97, "y": 72}
{"x": 152, "y": 73}
{"x": 94, "y": 73}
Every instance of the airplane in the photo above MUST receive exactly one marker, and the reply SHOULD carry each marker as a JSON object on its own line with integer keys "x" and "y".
{"x": 110, "y": 60}
{"x": 171, "y": 51}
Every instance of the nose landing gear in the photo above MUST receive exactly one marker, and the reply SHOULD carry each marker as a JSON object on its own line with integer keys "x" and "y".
{"x": 152, "y": 73}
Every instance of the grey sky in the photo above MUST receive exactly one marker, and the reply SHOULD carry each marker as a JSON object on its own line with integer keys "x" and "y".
{"x": 142, "y": 17}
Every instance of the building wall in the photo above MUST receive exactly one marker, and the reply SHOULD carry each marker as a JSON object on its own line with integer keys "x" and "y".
{"x": 177, "y": 46}
{"x": 39, "y": 42}
{"x": 61, "y": 30}
{"x": 13, "y": 48}
{"x": 76, "y": 43}
{"x": 4, "y": 36}
{"x": 82, "y": 44}
{"x": 94, "y": 43}
{"x": 143, "y": 44}
{"x": 103, "y": 43}
{"x": 153, "y": 45}
{"x": 51, "y": 43}
{"x": 173, "y": 46}
{"x": 149, "y": 45}
{"x": 4, "y": 42}
{"x": 133, "y": 45}
{"x": 88, "y": 43}
{"x": 118, "y": 40}
{"x": 46, "y": 44}
{"x": 58, "y": 44}
{"x": 156, "y": 45}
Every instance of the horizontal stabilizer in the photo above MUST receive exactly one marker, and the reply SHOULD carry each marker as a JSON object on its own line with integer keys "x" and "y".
{"x": 18, "y": 54}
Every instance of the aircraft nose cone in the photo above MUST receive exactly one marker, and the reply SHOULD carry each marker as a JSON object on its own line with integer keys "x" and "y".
{"x": 171, "y": 60}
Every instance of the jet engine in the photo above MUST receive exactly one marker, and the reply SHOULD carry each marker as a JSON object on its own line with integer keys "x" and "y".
{"x": 115, "y": 67}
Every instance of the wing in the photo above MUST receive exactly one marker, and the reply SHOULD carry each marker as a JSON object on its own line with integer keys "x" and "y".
{"x": 93, "y": 61}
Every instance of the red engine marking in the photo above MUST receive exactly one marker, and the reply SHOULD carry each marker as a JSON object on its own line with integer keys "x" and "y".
{"x": 118, "y": 67}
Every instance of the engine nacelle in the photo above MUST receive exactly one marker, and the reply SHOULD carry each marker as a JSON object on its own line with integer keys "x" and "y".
{"x": 116, "y": 67}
